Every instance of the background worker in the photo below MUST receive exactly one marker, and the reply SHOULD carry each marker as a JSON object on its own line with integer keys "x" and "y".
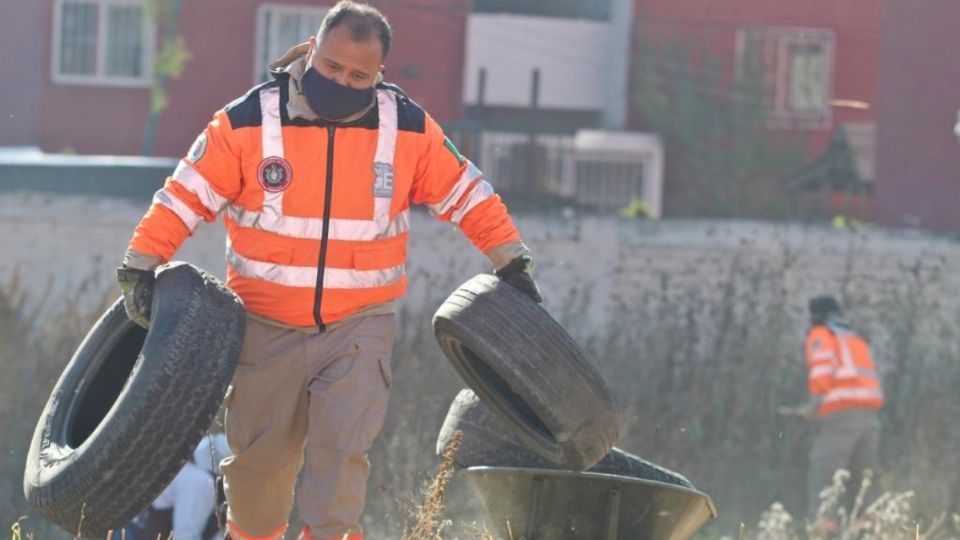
{"x": 314, "y": 173}
{"x": 845, "y": 397}
{"x": 186, "y": 509}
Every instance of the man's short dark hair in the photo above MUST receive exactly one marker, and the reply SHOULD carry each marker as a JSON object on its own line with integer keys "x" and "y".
{"x": 823, "y": 306}
{"x": 362, "y": 19}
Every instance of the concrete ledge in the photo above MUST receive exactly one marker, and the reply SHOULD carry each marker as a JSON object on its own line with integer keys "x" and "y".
{"x": 131, "y": 177}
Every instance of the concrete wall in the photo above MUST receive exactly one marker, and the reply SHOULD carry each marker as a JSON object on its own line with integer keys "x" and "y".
{"x": 128, "y": 177}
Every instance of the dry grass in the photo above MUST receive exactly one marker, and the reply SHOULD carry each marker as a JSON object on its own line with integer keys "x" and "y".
{"x": 428, "y": 524}
{"x": 701, "y": 343}
{"x": 429, "y": 518}
{"x": 38, "y": 334}
{"x": 889, "y": 517}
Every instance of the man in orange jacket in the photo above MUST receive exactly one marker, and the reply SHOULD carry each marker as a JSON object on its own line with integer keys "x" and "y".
{"x": 314, "y": 173}
{"x": 845, "y": 395}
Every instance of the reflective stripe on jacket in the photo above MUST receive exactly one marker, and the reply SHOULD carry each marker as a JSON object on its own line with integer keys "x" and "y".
{"x": 841, "y": 370}
{"x": 317, "y": 215}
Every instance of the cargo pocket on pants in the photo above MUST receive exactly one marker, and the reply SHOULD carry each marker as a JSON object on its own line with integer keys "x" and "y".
{"x": 378, "y": 409}
{"x": 385, "y": 372}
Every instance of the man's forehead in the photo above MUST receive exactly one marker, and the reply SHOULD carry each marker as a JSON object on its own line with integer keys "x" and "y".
{"x": 339, "y": 45}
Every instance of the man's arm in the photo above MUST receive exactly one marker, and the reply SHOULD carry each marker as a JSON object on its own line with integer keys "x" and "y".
{"x": 821, "y": 364}
{"x": 808, "y": 410}
{"x": 455, "y": 190}
{"x": 820, "y": 360}
{"x": 202, "y": 185}
{"x": 204, "y": 182}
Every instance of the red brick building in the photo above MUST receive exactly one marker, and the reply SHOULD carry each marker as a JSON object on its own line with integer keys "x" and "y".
{"x": 822, "y": 54}
{"x": 918, "y": 154}
{"x": 88, "y": 89}
{"x": 816, "y": 63}
{"x": 22, "y": 42}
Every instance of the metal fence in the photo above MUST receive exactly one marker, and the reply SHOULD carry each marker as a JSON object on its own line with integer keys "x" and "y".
{"x": 601, "y": 170}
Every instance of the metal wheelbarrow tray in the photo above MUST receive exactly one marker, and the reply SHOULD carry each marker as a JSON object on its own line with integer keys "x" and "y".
{"x": 539, "y": 504}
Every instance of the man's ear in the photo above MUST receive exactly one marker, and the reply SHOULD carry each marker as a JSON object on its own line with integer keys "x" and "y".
{"x": 312, "y": 51}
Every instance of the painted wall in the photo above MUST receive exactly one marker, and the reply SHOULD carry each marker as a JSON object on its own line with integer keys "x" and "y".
{"x": 426, "y": 60}
{"x": 571, "y": 55}
{"x": 22, "y": 63}
{"x": 711, "y": 26}
{"x": 428, "y": 51}
{"x": 918, "y": 165}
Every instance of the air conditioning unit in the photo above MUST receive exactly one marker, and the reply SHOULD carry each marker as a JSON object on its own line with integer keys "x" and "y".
{"x": 614, "y": 168}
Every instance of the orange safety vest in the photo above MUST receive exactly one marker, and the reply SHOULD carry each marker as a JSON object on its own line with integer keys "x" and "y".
{"x": 841, "y": 370}
{"x": 317, "y": 215}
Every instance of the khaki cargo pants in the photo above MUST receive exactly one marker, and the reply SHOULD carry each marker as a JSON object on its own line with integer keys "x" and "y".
{"x": 847, "y": 439}
{"x": 298, "y": 399}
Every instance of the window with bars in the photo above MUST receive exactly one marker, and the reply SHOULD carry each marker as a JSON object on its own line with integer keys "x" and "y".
{"x": 281, "y": 26}
{"x": 102, "y": 42}
{"x": 793, "y": 68}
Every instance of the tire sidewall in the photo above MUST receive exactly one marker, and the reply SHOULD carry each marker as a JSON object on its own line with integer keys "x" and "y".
{"x": 49, "y": 456}
{"x": 562, "y": 388}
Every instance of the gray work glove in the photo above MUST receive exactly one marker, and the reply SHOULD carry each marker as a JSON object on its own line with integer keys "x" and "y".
{"x": 137, "y": 287}
{"x": 519, "y": 273}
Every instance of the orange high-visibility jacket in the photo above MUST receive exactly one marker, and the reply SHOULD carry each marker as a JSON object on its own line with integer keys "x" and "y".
{"x": 317, "y": 215}
{"x": 841, "y": 370}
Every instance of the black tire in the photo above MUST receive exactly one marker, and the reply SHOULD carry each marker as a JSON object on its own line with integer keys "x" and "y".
{"x": 132, "y": 404}
{"x": 529, "y": 371}
{"x": 488, "y": 442}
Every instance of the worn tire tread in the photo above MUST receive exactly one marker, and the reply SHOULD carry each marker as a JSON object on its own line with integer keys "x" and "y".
{"x": 157, "y": 420}
{"x": 539, "y": 361}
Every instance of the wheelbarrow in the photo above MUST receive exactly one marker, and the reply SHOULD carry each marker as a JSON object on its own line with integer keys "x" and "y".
{"x": 540, "y": 504}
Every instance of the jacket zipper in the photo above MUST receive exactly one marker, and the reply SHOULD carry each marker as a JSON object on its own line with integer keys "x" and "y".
{"x": 322, "y": 263}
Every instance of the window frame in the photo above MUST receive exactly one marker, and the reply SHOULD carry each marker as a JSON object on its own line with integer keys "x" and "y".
{"x": 99, "y": 77}
{"x": 593, "y": 10}
{"x": 781, "y": 115}
{"x": 260, "y": 60}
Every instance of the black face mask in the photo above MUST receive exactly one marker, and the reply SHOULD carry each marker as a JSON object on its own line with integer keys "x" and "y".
{"x": 332, "y": 101}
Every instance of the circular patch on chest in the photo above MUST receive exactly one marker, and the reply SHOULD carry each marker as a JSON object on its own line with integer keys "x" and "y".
{"x": 275, "y": 174}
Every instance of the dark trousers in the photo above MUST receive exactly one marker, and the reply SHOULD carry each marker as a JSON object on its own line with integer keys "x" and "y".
{"x": 847, "y": 439}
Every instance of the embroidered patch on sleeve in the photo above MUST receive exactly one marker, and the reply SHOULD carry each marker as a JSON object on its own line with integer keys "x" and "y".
{"x": 453, "y": 150}
{"x": 199, "y": 147}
